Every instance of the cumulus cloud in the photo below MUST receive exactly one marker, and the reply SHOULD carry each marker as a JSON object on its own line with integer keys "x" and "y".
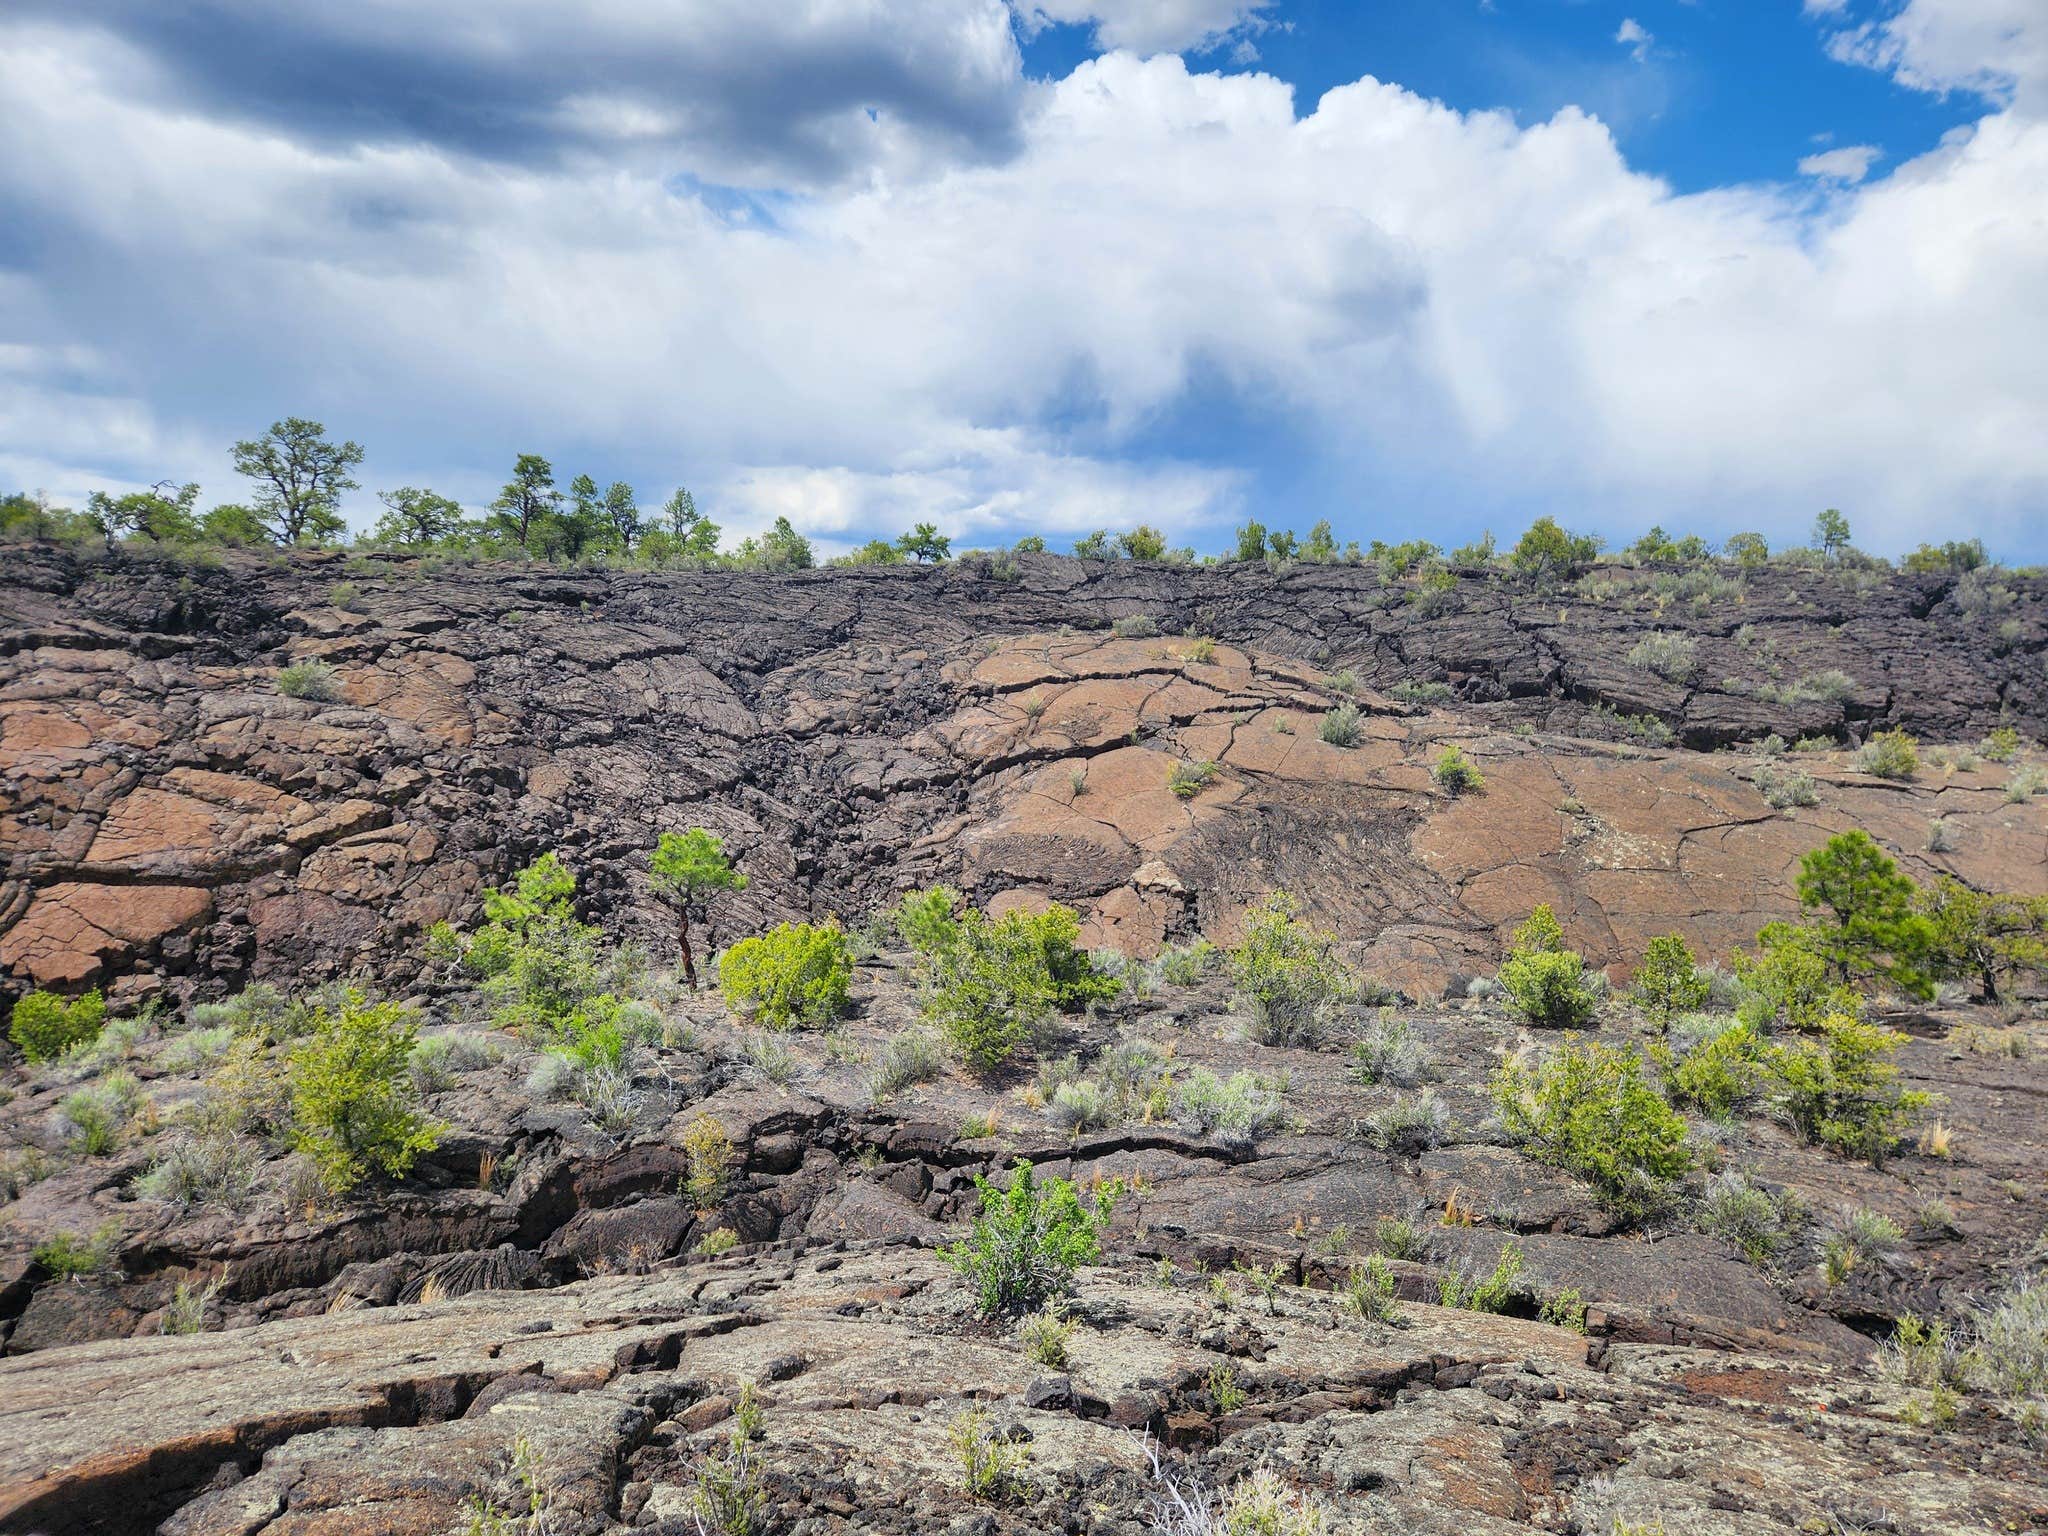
{"x": 1851, "y": 162}
{"x": 1997, "y": 49}
{"x": 1632, "y": 35}
{"x": 1153, "y": 26}
{"x": 1059, "y": 336}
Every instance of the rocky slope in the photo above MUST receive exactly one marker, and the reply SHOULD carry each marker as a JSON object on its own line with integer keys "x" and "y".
{"x": 535, "y": 1318}
{"x": 167, "y": 813}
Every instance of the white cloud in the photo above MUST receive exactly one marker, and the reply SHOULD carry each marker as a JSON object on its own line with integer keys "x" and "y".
{"x": 1508, "y": 315}
{"x": 1994, "y": 48}
{"x": 1632, "y": 36}
{"x": 1851, "y": 162}
{"x": 1151, "y": 26}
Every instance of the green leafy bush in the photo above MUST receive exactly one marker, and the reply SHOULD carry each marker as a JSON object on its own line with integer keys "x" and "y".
{"x": 45, "y": 1025}
{"x": 928, "y": 920}
{"x": 1842, "y": 1088}
{"x": 1544, "y": 979}
{"x": 1787, "y": 987}
{"x": 1000, "y": 979}
{"x": 354, "y": 1108}
{"x": 1455, "y": 775}
{"x": 1288, "y": 976}
{"x": 1723, "y": 1073}
{"x": 1546, "y": 550}
{"x": 991, "y": 1467}
{"x": 1029, "y": 1239}
{"x": 1590, "y": 1109}
{"x": 794, "y": 974}
{"x": 308, "y": 680}
{"x": 537, "y": 962}
{"x": 1889, "y": 755}
{"x": 67, "y": 1256}
{"x": 2002, "y": 745}
{"x": 1668, "y": 982}
{"x": 1550, "y": 987}
{"x": 1495, "y": 1292}
{"x": 1187, "y": 780}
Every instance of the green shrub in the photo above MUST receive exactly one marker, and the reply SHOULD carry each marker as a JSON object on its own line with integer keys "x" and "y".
{"x": 1590, "y": 1109}
{"x": 536, "y": 961}
{"x": 1546, "y": 981}
{"x": 1369, "y": 1291}
{"x": 45, "y": 1026}
{"x": 1288, "y": 976}
{"x": 308, "y": 680}
{"x": 1340, "y": 726}
{"x": 1136, "y": 626}
{"x": 1187, "y": 780}
{"x": 1550, "y": 987}
{"x": 1547, "y": 551}
{"x": 1668, "y": 982}
{"x": 991, "y": 1467}
{"x": 1495, "y": 1293}
{"x": 1029, "y": 1239}
{"x": 1723, "y": 1073}
{"x": 1047, "y": 1337}
{"x": 709, "y": 1158}
{"x": 1455, "y": 775}
{"x": 1889, "y": 755}
{"x": 1842, "y": 1089}
{"x": 354, "y": 1108}
{"x": 927, "y": 920}
{"x": 1000, "y": 980}
{"x": 728, "y": 1498}
{"x": 795, "y": 974}
{"x": 67, "y": 1256}
{"x": 2002, "y": 745}
{"x": 1787, "y": 987}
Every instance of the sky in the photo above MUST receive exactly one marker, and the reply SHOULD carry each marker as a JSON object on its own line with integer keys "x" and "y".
{"x": 1419, "y": 267}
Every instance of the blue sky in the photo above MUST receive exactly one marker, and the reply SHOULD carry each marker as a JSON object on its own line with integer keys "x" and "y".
{"x": 1044, "y": 265}
{"x": 1732, "y": 91}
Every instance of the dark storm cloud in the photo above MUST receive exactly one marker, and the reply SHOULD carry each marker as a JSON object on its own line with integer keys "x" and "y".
{"x": 737, "y": 90}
